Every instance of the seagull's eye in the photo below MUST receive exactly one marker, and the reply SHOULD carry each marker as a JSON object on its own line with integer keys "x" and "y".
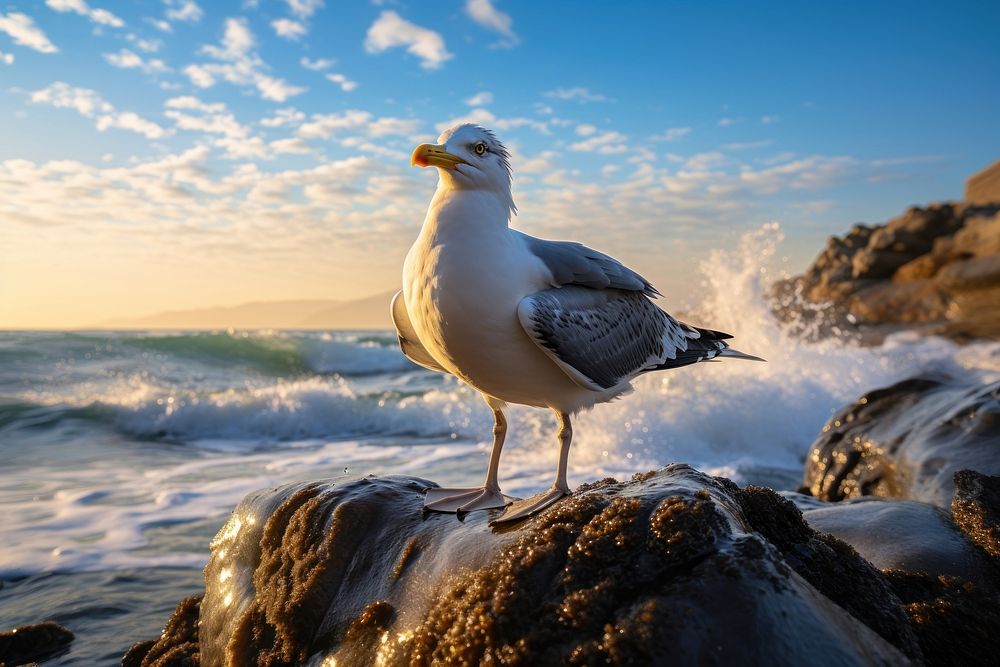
{"x": 480, "y": 148}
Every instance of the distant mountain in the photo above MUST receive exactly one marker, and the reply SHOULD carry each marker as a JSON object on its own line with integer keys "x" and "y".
{"x": 367, "y": 313}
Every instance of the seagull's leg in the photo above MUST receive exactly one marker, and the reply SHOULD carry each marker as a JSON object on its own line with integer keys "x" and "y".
{"x": 533, "y": 505}
{"x": 489, "y": 495}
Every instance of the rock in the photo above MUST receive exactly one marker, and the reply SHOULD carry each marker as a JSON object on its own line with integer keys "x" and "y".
{"x": 894, "y": 238}
{"x": 971, "y": 274}
{"x": 921, "y": 268}
{"x": 939, "y": 264}
{"x": 978, "y": 237}
{"x": 907, "y": 441}
{"x": 912, "y": 302}
{"x": 976, "y": 509}
{"x": 178, "y": 644}
{"x": 878, "y": 264}
{"x": 956, "y": 621}
{"x": 924, "y": 536}
{"x": 673, "y": 567}
{"x": 29, "y": 643}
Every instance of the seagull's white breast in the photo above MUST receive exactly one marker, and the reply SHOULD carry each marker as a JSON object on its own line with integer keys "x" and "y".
{"x": 462, "y": 281}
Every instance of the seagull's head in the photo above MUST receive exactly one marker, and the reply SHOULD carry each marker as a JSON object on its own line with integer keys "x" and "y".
{"x": 469, "y": 157}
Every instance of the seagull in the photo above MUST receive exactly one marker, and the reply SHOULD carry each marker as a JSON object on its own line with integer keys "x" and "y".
{"x": 548, "y": 324}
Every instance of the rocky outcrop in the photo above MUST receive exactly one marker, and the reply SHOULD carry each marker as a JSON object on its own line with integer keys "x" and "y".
{"x": 177, "y": 645}
{"x": 938, "y": 267}
{"x": 29, "y": 643}
{"x": 907, "y": 441}
{"x": 948, "y": 584}
{"x": 939, "y": 551}
{"x": 673, "y": 567}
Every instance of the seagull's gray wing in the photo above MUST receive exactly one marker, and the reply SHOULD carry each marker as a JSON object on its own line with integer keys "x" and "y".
{"x": 409, "y": 343}
{"x": 604, "y": 338}
{"x": 575, "y": 264}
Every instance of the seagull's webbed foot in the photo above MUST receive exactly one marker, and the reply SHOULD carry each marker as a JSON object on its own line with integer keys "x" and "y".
{"x": 465, "y": 500}
{"x": 533, "y": 505}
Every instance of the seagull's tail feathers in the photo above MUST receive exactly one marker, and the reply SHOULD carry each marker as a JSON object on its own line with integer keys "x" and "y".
{"x": 736, "y": 354}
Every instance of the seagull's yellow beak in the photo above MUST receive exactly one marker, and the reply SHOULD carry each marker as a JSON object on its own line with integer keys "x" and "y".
{"x": 431, "y": 155}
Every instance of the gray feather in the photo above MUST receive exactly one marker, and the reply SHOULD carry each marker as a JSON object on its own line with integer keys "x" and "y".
{"x": 575, "y": 264}
{"x": 602, "y": 338}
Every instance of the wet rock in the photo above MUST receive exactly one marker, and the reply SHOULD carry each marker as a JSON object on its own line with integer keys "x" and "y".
{"x": 976, "y": 509}
{"x": 956, "y": 622}
{"x": 29, "y": 643}
{"x": 924, "y": 538}
{"x": 178, "y": 644}
{"x": 937, "y": 265}
{"x": 907, "y": 441}
{"x": 674, "y": 566}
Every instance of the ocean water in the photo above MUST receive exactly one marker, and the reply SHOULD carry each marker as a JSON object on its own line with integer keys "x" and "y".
{"x": 122, "y": 452}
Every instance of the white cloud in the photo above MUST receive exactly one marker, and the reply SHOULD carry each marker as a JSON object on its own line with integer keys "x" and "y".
{"x": 304, "y": 8}
{"x": 747, "y": 145}
{"x": 191, "y": 102}
{"x": 585, "y": 129}
{"x": 487, "y": 119}
{"x": 90, "y": 104}
{"x": 23, "y": 31}
{"x": 726, "y": 122}
{"x": 292, "y": 145}
{"x": 236, "y": 140}
{"x": 282, "y": 117}
{"x": 578, "y": 93}
{"x": 6, "y": 58}
{"x": 236, "y": 41}
{"x": 99, "y": 16}
{"x": 239, "y": 65}
{"x": 398, "y": 126}
{"x": 390, "y": 30}
{"x": 288, "y": 28}
{"x": 706, "y": 160}
{"x": 485, "y": 14}
{"x": 317, "y": 65}
{"x": 769, "y": 119}
{"x": 127, "y": 120}
{"x": 812, "y": 172}
{"x": 671, "y": 134}
{"x": 324, "y": 126}
{"x": 104, "y": 17}
{"x": 160, "y": 24}
{"x": 86, "y": 102}
{"x": 126, "y": 59}
{"x": 200, "y": 76}
{"x": 606, "y": 143}
{"x": 77, "y": 6}
{"x": 537, "y": 164}
{"x": 147, "y": 45}
{"x": 480, "y": 99}
{"x": 183, "y": 10}
{"x": 345, "y": 84}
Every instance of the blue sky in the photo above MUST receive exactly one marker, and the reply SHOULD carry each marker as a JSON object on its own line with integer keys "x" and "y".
{"x": 214, "y": 153}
